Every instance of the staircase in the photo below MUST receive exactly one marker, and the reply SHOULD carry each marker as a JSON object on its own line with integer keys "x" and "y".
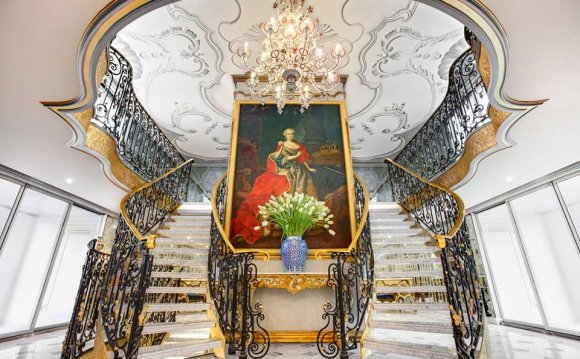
{"x": 409, "y": 316}
{"x": 177, "y": 322}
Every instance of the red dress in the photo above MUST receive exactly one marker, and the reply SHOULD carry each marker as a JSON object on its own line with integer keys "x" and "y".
{"x": 275, "y": 181}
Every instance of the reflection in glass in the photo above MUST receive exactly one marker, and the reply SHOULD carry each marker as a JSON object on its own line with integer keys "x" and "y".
{"x": 60, "y": 294}
{"x": 570, "y": 190}
{"x": 553, "y": 256}
{"x": 26, "y": 255}
{"x": 8, "y": 193}
{"x": 512, "y": 283}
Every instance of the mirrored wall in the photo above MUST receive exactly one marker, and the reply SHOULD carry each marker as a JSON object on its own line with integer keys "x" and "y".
{"x": 532, "y": 253}
{"x": 43, "y": 246}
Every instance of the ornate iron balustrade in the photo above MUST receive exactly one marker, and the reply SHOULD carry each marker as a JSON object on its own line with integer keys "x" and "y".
{"x": 440, "y": 143}
{"x": 115, "y": 285}
{"x": 441, "y": 212}
{"x": 82, "y": 327}
{"x": 140, "y": 144}
{"x": 232, "y": 279}
{"x": 351, "y": 277}
{"x": 131, "y": 263}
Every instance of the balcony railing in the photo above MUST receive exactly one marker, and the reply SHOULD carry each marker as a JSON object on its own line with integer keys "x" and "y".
{"x": 441, "y": 141}
{"x": 441, "y": 212}
{"x": 140, "y": 143}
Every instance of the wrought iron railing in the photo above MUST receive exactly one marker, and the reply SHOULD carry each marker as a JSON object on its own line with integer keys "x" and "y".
{"x": 139, "y": 142}
{"x": 232, "y": 279}
{"x": 82, "y": 327}
{"x": 441, "y": 211}
{"x": 441, "y": 141}
{"x": 114, "y": 285}
{"x": 131, "y": 263}
{"x": 351, "y": 277}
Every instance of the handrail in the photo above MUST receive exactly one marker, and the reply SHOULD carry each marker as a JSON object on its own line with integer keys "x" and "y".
{"x": 140, "y": 236}
{"x": 441, "y": 211}
{"x": 458, "y": 200}
{"x": 441, "y": 141}
{"x": 139, "y": 142}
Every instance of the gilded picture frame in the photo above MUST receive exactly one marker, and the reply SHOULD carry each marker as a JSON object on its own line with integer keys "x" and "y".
{"x": 316, "y": 240}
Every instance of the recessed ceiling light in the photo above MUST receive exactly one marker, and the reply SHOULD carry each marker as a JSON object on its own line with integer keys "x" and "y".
{"x": 69, "y": 180}
{"x": 509, "y": 179}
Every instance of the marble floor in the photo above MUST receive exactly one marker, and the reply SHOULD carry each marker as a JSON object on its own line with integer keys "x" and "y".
{"x": 507, "y": 343}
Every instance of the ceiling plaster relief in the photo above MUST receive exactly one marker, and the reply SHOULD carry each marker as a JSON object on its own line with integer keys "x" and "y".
{"x": 183, "y": 56}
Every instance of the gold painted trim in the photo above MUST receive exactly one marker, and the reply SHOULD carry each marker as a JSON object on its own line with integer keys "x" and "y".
{"x": 293, "y": 283}
{"x": 355, "y": 231}
{"x": 285, "y": 336}
{"x": 482, "y": 140}
{"x": 460, "y": 204}
{"x": 105, "y": 145}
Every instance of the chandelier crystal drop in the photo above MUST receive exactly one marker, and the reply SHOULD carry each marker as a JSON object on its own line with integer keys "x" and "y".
{"x": 291, "y": 64}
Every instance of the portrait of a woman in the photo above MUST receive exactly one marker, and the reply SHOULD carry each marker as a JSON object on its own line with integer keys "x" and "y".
{"x": 287, "y": 170}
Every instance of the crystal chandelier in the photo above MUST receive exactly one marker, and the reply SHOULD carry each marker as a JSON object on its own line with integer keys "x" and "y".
{"x": 291, "y": 64}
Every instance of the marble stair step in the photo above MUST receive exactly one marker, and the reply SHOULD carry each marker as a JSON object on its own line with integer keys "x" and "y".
{"x": 202, "y": 232}
{"x": 402, "y": 261}
{"x": 378, "y": 228}
{"x": 382, "y": 240}
{"x": 180, "y": 262}
{"x": 182, "y": 241}
{"x": 389, "y": 218}
{"x": 192, "y": 212}
{"x": 383, "y": 205}
{"x": 177, "y": 290}
{"x": 192, "y": 220}
{"x": 424, "y": 351}
{"x": 412, "y": 326}
{"x": 383, "y": 274}
{"x": 186, "y": 222}
{"x": 412, "y": 249}
{"x": 180, "y": 275}
{"x": 385, "y": 307}
{"x": 400, "y": 232}
{"x": 176, "y": 307}
{"x": 179, "y": 251}
{"x": 412, "y": 289}
{"x": 172, "y": 327}
{"x": 185, "y": 349}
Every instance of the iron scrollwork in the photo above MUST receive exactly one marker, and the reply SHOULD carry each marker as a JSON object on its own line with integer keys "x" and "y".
{"x": 140, "y": 143}
{"x": 232, "y": 280}
{"x": 441, "y": 141}
{"x": 439, "y": 211}
{"x": 351, "y": 277}
{"x": 82, "y": 327}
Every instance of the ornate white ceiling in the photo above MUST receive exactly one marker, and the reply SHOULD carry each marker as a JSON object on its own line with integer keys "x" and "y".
{"x": 400, "y": 53}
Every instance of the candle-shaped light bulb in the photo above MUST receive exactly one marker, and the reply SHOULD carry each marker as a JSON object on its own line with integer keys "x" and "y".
{"x": 318, "y": 53}
{"x": 272, "y": 22}
{"x": 253, "y": 75}
{"x": 306, "y": 91}
{"x": 246, "y": 47}
{"x": 291, "y": 31}
{"x": 338, "y": 49}
{"x": 331, "y": 76}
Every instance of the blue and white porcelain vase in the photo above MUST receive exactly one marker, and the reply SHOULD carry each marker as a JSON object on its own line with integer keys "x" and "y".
{"x": 294, "y": 251}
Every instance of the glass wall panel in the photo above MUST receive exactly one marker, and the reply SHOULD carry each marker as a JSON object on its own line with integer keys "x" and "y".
{"x": 570, "y": 190}
{"x": 60, "y": 293}
{"x": 25, "y": 258}
{"x": 8, "y": 193}
{"x": 553, "y": 256}
{"x": 512, "y": 282}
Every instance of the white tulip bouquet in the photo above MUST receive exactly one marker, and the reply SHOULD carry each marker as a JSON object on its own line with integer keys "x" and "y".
{"x": 295, "y": 214}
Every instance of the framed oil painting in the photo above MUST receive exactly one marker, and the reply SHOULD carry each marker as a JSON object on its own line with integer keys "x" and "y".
{"x": 273, "y": 153}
